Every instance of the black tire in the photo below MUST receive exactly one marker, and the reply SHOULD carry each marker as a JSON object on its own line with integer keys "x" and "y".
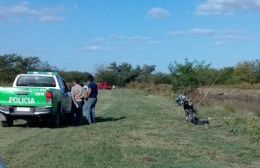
{"x": 44, "y": 121}
{"x": 54, "y": 120}
{"x": 68, "y": 119}
{"x": 8, "y": 123}
{"x": 33, "y": 122}
{"x": 58, "y": 118}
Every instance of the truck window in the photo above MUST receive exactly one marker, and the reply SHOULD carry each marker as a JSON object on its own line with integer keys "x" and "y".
{"x": 36, "y": 81}
{"x": 63, "y": 85}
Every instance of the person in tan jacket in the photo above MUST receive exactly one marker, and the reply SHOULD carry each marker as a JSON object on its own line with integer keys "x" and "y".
{"x": 77, "y": 95}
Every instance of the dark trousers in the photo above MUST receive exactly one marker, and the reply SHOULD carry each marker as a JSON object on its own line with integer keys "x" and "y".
{"x": 78, "y": 113}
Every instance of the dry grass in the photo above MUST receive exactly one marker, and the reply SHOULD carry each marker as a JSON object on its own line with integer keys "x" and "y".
{"x": 160, "y": 89}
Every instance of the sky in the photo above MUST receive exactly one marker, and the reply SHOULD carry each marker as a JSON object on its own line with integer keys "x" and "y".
{"x": 85, "y": 34}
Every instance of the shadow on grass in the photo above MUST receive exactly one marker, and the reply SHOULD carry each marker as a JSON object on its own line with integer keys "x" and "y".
{"x": 66, "y": 124}
{"x": 108, "y": 119}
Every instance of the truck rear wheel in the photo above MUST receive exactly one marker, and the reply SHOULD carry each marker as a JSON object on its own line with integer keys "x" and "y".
{"x": 8, "y": 123}
{"x": 58, "y": 119}
{"x": 54, "y": 120}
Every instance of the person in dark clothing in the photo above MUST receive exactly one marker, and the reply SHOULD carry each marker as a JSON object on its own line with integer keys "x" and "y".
{"x": 91, "y": 100}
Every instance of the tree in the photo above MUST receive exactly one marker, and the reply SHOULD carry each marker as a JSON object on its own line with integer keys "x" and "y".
{"x": 246, "y": 72}
{"x": 13, "y": 64}
{"x": 70, "y": 76}
{"x": 257, "y": 67}
{"x": 190, "y": 75}
{"x": 161, "y": 78}
{"x": 124, "y": 73}
{"x": 226, "y": 76}
{"x": 145, "y": 72}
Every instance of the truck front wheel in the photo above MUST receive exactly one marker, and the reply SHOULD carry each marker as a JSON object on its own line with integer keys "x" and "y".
{"x": 8, "y": 123}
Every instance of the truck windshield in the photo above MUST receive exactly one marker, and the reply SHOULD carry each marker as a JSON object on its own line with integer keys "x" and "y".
{"x": 36, "y": 81}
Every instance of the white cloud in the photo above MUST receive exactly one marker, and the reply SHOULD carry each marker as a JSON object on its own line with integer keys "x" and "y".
{"x": 155, "y": 42}
{"x": 117, "y": 37}
{"x": 199, "y": 31}
{"x": 98, "y": 39}
{"x": 218, "y": 43}
{"x": 239, "y": 37}
{"x": 50, "y": 18}
{"x": 25, "y": 11}
{"x": 124, "y": 38}
{"x": 2, "y": 15}
{"x": 119, "y": 42}
{"x": 158, "y": 13}
{"x": 96, "y": 48}
{"x": 22, "y": 9}
{"x": 194, "y": 31}
{"x": 220, "y": 36}
{"x": 219, "y": 7}
{"x": 139, "y": 38}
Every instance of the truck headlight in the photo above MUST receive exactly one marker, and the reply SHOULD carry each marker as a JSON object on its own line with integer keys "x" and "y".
{"x": 4, "y": 108}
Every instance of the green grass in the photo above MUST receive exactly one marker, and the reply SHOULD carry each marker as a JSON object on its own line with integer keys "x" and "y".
{"x": 135, "y": 130}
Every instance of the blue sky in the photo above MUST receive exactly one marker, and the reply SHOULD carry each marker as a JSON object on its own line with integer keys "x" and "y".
{"x": 84, "y": 34}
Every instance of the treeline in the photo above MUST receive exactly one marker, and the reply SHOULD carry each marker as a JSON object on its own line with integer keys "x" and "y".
{"x": 13, "y": 64}
{"x": 181, "y": 76}
{"x": 125, "y": 73}
{"x": 192, "y": 74}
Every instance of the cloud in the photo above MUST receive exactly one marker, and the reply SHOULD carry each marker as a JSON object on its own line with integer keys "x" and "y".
{"x": 219, "y": 36}
{"x": 25, "y": 11}
{"x": 117, "y": 37}
{"x": 50, "y": 18}
{"x": 119, "y": 42}
{"x": 124, "y": 38}
{"x": 98, "y": 40}
{"x": 218, "y": 43}
{"x": 199, "y": 31}
{"x": 96, "y": 48}
{"x": 222, "y": 7}
{"x": 22, "y": 9}
{"x": 158, "y": 13}
{"x": 194, "y": 31}
{"x": 155, "y": 42}
{"x": 139, "y": 38}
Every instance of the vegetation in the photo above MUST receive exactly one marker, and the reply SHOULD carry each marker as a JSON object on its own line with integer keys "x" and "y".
{"x": 136, "y": 129}
{"x": 185, "y": 76}
{"x": 13, "y": 64}
{"x": 192, "y": 74}
{"x": 182, "y": 76}
{"x": 124, "y": 73}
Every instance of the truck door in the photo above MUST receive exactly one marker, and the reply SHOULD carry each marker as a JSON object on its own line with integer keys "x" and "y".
{"x": 66, "y": 96}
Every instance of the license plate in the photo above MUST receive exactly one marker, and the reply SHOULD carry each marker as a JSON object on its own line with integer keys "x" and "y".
{"x": 23, "y": 109}
{"x": 2, "y": 117}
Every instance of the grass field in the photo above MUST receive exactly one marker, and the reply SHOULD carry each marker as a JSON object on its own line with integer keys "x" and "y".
{"x": 136, "y": 129}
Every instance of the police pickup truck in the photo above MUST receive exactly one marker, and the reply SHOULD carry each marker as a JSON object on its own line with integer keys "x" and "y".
{"x": 35, "y": 95}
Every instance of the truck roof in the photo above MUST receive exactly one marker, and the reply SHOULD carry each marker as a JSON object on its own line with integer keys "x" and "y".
{"x": 55, "y": 75}
{"x": 42, "y": 73}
